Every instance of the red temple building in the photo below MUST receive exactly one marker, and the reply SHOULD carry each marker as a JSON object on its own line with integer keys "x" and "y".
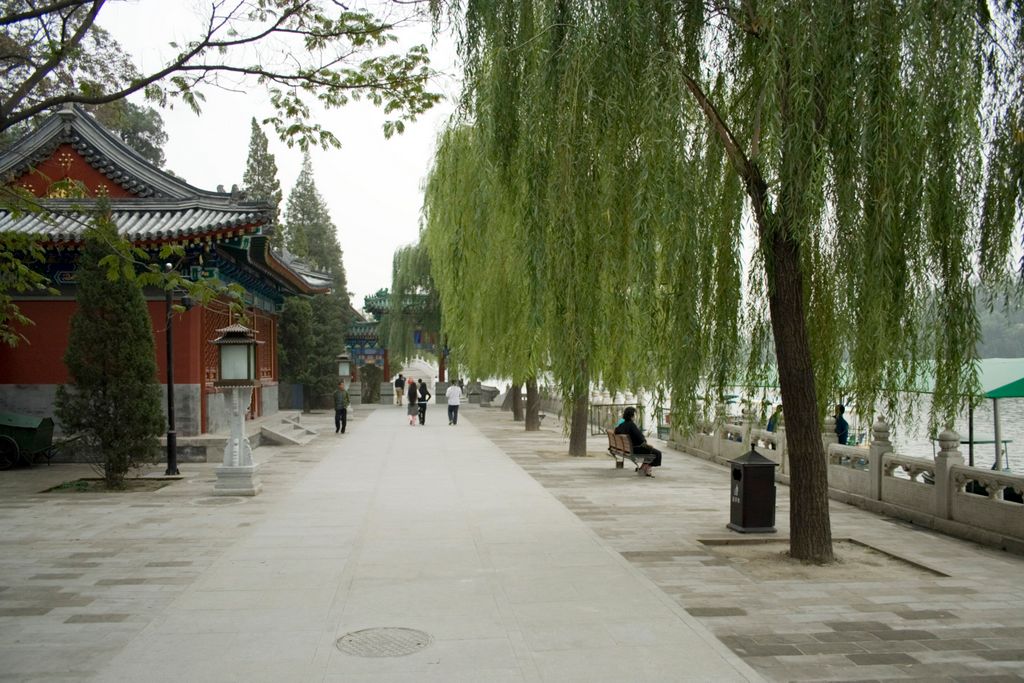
{"x": 224, "y": 237}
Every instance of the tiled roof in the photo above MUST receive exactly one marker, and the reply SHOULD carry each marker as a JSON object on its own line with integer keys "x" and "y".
{"x": 101, "y": 150}
{"x": 139, "y": 220}
{"x": 164, "y": 209}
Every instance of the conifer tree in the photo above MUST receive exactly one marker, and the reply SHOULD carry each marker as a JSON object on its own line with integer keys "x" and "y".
{"x": 295, "y": 341}
{"x": 114, "y": 402}
{"x": 260, "y": 179}
{"x": 311, "y": 235}
{"x": 310, "y": 232}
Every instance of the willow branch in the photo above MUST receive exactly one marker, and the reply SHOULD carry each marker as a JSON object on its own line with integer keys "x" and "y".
{"x": 749, "y": 172}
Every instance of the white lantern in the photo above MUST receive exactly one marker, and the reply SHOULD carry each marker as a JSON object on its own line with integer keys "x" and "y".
{"x": 237, "y": 350}
{"x": 344, "y": 366}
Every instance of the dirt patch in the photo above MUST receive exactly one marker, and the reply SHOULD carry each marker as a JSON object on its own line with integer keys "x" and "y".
{"x": 564, "y": 455}
{"x": 770, "y": 561}
{"x": 98, "y": 486}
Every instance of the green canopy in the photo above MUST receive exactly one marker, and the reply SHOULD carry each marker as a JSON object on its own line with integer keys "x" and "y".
{"x": 1001, "y": 377}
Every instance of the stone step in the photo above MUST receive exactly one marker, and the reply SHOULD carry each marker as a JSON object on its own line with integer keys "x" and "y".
{"x": 285, "y": 432}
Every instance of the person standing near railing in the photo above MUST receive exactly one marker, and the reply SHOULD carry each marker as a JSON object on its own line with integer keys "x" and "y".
{"x": 842, "y": 426}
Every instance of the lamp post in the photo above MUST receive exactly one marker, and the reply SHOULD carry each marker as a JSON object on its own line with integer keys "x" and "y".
{"x": 344, "y": 365}
{"x": 172, "y": 435}
{"x": 236, "y": 347}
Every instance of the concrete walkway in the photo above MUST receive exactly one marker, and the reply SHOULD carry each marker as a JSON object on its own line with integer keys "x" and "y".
{"x": 429, "y": 528}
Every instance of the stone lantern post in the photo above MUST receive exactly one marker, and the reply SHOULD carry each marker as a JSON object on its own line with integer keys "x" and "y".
{"x": 236, "y": 347}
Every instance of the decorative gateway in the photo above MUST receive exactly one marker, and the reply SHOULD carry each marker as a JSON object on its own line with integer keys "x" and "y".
{"x": 224, "y": 236}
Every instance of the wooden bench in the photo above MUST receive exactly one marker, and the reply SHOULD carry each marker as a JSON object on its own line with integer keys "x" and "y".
{"x": 621, "y": 448}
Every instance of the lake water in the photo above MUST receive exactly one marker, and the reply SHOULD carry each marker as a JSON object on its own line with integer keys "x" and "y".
{"x": 914, "y": 441}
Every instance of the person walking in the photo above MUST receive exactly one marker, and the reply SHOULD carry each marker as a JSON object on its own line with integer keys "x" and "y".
{"x": 454, "y": 397}
{"x": 411, "y": 396}
{"x": 341, "y": 403}
{"x": 399, "y": 389}
{"x": 425, "y": 397}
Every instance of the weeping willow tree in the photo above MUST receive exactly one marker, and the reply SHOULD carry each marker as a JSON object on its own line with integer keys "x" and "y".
{"x": 488, "y": 299}
{"x": 413, "y": 306}
{"x": 870, "y": 152}
{"x": 535, "y": 178}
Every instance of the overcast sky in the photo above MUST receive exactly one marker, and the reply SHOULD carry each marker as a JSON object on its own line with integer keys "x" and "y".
{"x": 372, "y": 186}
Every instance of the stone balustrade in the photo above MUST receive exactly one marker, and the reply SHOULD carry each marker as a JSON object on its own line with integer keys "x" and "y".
{"x": 941, "y": 493}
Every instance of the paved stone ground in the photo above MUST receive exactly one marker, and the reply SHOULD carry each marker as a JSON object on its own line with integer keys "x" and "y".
{"x": 962, "y": 622}
{"x": 81, "y": 574}
{"x": 434, "y": 528}
{"x": 430, "y": 528}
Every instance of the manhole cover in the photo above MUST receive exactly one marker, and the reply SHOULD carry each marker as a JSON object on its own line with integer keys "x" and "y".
{"x": 218, "y": 500}
{"x": 383, "y": 642}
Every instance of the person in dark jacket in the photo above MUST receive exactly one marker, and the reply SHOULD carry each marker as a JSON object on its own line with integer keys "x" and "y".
{"x": 639, "y": 442}
{"x": 842, "y": 426}
{"x": 424, "y": 397}
{"x": 399, "y": 388}
{"x": 341, "y": 403}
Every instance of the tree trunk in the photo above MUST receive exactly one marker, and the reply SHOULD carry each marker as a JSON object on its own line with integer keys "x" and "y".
{"x": 578, "y": 427}
{"x": 810, "y": 531}
{"x": 517, "y": 402}
{"x": 532, "y": 406}
{"x": 809, "y": 527}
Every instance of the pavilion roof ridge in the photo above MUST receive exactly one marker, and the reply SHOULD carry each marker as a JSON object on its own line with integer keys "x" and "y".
{"x": 103, "y": 151}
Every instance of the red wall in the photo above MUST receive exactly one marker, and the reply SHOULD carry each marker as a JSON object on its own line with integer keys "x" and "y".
{"x": 40, "y": 360}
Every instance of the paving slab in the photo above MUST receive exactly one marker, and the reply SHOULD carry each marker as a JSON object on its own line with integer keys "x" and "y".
{"x": 960, "y": 621}
{"x": 434, "y": 529}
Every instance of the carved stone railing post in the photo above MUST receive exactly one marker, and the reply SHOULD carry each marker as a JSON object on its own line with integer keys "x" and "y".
{"x": 947, "y": 457}
{"x": 717, "y": 428}
{"x": 747, "y": 426}
{"x": 828, "y": 434}
{"x": 783, "y": 448}
{"x": 880, "y": 445}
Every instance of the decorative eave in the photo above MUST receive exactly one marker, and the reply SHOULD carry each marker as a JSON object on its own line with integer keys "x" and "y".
{"x": 283, "y": 266}
{"x": 145, "y": 222}
{"x": 361, "y": 331}
{"x": 297, "y": 276}
{"x": 377, "y": 303}
{"x": 101, "y": 150}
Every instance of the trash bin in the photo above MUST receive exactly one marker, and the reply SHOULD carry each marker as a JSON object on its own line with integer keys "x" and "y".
{"x": 752, "y": 497}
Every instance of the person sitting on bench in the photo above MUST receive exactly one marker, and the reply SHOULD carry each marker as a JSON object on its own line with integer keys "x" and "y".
{"x": 636, "y": 437}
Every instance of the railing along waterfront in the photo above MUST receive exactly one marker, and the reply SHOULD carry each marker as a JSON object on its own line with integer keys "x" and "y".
{"x": 602, "y": 416}
{"x": 940, "y": 492}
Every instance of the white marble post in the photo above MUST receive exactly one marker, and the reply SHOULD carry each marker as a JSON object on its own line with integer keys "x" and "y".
{"x": 828, "y": 433}
{"x": 748, "y": 426}
{"x": 947, "y": 457}
{"x": 998, "y": 462}
{"x": 238, "y": 475}
{"x": 880, "y": 445}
